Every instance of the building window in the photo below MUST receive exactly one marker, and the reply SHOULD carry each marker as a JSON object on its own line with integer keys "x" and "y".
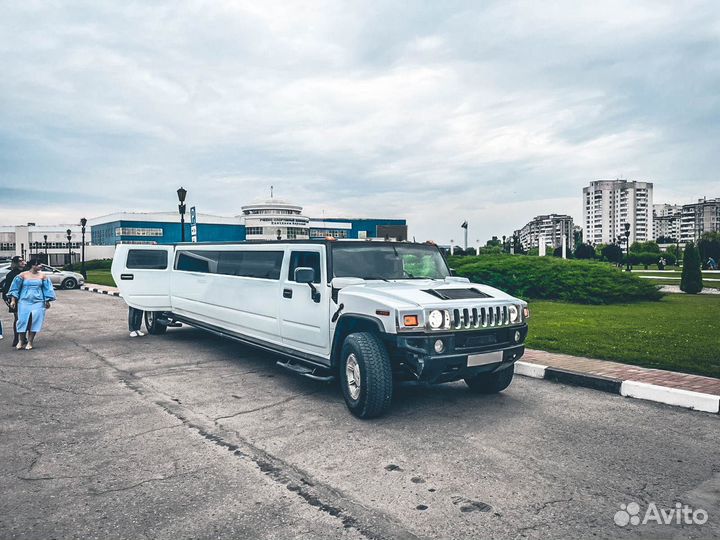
{"x": 254, "y": 230}
{"x": 137, "y": 231}
{"x": 321, "y": 233}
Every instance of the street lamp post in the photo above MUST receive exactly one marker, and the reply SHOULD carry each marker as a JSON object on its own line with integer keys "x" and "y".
{"x": 69, "y": 238}
{"x": 627, "y": 246}
{"x": 47, "y": 260}
{"x": 83, "y": 222}
{"x": 182, "y": 192}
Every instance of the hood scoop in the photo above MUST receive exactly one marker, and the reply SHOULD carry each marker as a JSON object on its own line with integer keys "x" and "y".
{"x": 457, "y": 294}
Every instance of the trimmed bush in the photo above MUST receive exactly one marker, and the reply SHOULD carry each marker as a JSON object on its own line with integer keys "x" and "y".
{"x": 691, "y": 280}
{"x": 548, "y": 278}
{"x": 95, "y": 264}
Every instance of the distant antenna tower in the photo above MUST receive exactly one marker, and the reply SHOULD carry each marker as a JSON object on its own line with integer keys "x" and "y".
{"x": 271, "y": 191}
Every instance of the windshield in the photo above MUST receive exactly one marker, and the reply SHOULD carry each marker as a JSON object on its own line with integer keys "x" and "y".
{"x": 388, "y": 261}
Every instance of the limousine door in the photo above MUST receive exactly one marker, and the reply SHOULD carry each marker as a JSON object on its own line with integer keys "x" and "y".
{"x": 304, "y": 322}
{"x": 142, "y": 274}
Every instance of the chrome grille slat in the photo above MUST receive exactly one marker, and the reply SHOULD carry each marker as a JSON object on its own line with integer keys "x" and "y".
{"x": 467, "y": 318}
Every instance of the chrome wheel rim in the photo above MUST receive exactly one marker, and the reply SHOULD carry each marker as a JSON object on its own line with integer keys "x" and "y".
{"x": 352, "y": 374}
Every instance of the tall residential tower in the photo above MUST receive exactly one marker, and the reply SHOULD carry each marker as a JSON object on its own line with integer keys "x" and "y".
{"x": 609, "y": 204}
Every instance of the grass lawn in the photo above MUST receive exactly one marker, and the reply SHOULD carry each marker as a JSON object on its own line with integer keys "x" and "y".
{"x": 100, "y": 277}
{"x": 679, "y": 333}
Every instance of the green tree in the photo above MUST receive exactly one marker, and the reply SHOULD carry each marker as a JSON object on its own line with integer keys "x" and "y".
{"x": 644, "y": 247}
{"x": 709, "y": 246}
{"x": 691, "y": 280}
{"x": 612, "y": 253}
{"x": 584, "y": 251}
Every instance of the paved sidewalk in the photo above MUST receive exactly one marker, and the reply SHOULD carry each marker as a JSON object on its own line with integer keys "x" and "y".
{"x": 670, "y": 387}
{"x": 675, "y": 289}
{"x": 624, "y": 372}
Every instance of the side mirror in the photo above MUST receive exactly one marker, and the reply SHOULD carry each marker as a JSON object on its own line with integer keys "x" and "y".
{"x": 304, "y": 275}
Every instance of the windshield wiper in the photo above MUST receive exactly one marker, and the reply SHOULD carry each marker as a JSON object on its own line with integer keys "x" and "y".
{"x": 375, "y": 277}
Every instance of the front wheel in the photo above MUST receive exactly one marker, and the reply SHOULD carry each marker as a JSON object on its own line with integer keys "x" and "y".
{"x": 491, "y": 383}
{"x": 152, "y": 323}
{"x": 69, "y": 283}
{"x": 366, "y": 375}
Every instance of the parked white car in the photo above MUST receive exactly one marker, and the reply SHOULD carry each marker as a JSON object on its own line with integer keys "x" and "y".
{"x": 367, "y": 313}
{"x": 63, "y": 279}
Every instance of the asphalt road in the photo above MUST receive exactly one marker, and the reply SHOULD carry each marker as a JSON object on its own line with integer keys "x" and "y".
{"x": 191, "y": 436}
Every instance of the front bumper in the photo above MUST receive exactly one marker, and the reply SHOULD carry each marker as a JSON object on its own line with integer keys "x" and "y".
{"x": 489, "y": 350}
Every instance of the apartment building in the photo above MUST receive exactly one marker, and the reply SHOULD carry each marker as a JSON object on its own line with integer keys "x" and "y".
{"x": 698, "y": 218}
{"x": 551, "y": 228}
{"x": 609, "y": 204}
{"x": 666, "y": 222}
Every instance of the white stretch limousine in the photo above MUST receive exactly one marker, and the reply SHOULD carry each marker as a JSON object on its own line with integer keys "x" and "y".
{"x": 367, "y": 313}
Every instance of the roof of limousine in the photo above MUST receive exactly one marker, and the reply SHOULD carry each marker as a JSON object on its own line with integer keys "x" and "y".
{"x": 312, "y": 241}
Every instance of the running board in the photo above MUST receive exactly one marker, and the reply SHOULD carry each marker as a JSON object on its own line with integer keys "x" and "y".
{"x": 306, "y": 371}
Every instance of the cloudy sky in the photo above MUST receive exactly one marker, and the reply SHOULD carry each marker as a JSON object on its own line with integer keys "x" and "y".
{"x": 433, "y": 111}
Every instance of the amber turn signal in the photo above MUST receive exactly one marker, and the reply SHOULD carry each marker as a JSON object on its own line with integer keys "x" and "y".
{"x": 410, "y": 320}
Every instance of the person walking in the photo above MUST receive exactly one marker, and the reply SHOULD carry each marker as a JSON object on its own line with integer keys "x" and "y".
{"x": 31, "y": 293}
{"x": 712, "y": 265}
{"x": 134, "y": 321}
{"x": 17, "y": 265}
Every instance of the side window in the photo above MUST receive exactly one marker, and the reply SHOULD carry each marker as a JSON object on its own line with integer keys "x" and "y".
{"x": 255, "y": 264}
{"x": 147, "y": 259}
{"x": 205, "y": 262}
{"x": 304, "y": 259}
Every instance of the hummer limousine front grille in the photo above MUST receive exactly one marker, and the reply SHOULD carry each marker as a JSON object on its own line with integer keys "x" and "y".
{"x": 480, "y": 317}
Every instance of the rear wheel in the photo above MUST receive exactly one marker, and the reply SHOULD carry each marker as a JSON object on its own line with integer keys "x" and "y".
{"x": 152, "y": 323}
{"x": 366, "y": 375}
{"x": 491, "y": 383}
{"x": 68, "y": 283}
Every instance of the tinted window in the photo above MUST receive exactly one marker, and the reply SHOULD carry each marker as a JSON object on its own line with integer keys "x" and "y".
{"x": 307, "y": 259}
{"x": 147, "y": 259}
{"x": 205, "y": 262}
{"x": 256, "y": 264}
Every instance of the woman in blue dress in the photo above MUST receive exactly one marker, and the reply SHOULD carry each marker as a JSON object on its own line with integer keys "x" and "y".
{"x": 31, "y": 292}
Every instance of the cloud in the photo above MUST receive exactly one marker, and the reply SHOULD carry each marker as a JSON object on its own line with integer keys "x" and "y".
{"x": 437, "y": 112}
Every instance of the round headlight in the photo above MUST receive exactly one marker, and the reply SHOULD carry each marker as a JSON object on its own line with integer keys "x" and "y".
{"x": 435, "y": 318}
{"x": 439, "y": 346}
{"x": 514, "y": 313}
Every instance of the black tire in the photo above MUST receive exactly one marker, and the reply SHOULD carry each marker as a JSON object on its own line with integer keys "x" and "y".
{"x": 373, "y": 395}
{"x": 68, "y": 283}
{"x": 491, "y": 383}
{"x": 153, "y": 324}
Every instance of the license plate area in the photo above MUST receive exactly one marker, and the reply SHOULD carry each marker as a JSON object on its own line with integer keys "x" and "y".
{"x": 484, "y": 358}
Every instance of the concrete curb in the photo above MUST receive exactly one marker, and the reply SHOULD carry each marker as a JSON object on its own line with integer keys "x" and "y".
{"x": 639, "y": 390}
{"x": 90, "y": 288}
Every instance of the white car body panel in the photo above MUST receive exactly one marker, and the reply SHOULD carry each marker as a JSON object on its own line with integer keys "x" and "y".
{"x": 280, "y": 312}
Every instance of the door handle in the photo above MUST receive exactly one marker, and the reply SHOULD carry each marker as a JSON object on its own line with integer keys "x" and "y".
{"x": 287, "y": 293}
{"x": 127, "y": 276}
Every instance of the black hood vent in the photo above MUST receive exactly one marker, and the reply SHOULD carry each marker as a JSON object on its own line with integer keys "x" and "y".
{"x": 457, "y": 294}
